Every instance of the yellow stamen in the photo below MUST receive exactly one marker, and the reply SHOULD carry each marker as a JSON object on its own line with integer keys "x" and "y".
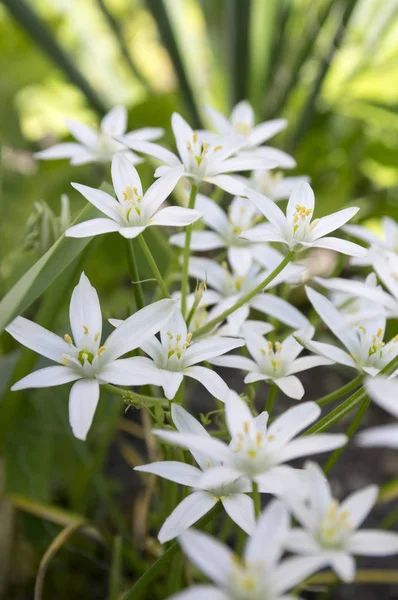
{"x": 101, "y": 349}
{"x": 85, "y": 328}
{"x": 68, "y": 339}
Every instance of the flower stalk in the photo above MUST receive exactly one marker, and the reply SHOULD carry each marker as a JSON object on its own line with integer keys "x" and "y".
{"x": 186, "y": 255}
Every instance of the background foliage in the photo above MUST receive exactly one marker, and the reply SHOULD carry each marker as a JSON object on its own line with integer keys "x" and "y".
{"x": 330, "y": 67}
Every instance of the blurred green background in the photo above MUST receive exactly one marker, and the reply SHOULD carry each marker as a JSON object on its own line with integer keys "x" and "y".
{"x": 329, "y": 67}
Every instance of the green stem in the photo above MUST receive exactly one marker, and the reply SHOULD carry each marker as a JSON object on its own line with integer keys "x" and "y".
{"x": 150, "y": 574}
{"x": 187, "y": 250}
{"x": 130, "y": 397}
{"x": 272, "y": 394}
{"x": 350, "y": 433}
{"x": 246, "y": 298}
{"x": 256, "y": 499}
{"x": 133, "y": 268}
{"x": 342, "y": 391}
{"x": 153, "y": 265}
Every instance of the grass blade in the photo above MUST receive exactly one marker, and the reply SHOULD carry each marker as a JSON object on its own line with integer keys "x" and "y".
{"x": 237, "y": 21}
{"x": 159, "y": 13}
{"x": 116, "y": 569}
{"x": 41, "y": 34}
{"x": 305, "y": 120}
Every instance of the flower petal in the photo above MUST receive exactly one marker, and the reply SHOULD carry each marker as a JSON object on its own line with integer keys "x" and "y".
{"x": 138, "y": 370}
{"x": 83, "y": 400}
{"x": 292, "y": 421}
{"x": 328, "y": 351}
{"x": 186, "y": 423}
{"x": 209, "y": 447}
{"x": 228, "y": 183}
{"x": 37, "y": 338}
{"x": 312, "y": 444}
{"x": 384, "y": 436}
{"x": 291, "y": 386}
{"x": 213, "y": 558}
{"x": 183, "y": 133}
{"x": 299, "y": 541}
{"x": 83, "y": 133}
{"x": 334, "y": 221}
{"x": 220, "y": 123}
{"x": 85, "y": 314}
{"x": 240, "y": 508}
{"x": 178, "y": 472}
{"x": 157, "y": 193}
{"x": 308, "y": 362}
{"x": 242, "y": 163}
{"x": 240, "y": 259}
{"x": 280, "y": 309}
{"x": 270, "y": 210}
{"x": 200, "y": 240}
{"x": 210, "y": 380}
{"x": 140, "y": 326}
{"x": 209, "y": 348}
{"x": 238, "y": 415}
{"x": 292, "y": 571}
{"x": 359, "y": 504}
{"x": 175, "y": 216}
{"x": 266, "y": 544}
{"x": 171, "y": 381}
{"x": 302, "y": 195}
{"x": 234, "y": 361}
{"x": 264, "y": 131}
{"x": 115, "y": 121}
{"x": 339, "y": 245}
{"x": 344, "y": 565}
{"x": 370, "y": 542}
{"x": 48, "y": 377}
{"x": 162, "y": 154}
{"x": 213, "y": 215}
{"x": 66, "y": 150}
{"x": 145, "y": 134}
{"x": 186, "y": 513}
{"x": 384, "y": 392}
{"x": 92, "y": 227}
{"x": 101, "y": 200}
{"x": 198, "y": 592}
{"x": 131, "y": 232}
{"x": 124, "y": 176}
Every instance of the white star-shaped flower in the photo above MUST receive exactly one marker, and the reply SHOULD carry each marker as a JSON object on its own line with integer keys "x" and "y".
{"x": 297, "y": 229}
{"x": 82, "y": 357}
{"x": 330, "y": 529}
{"x": 133, "y": 211}
{"x": 99, "y": 145}
{"x": 238, "y": 505}
{"x": 385, "y": 243}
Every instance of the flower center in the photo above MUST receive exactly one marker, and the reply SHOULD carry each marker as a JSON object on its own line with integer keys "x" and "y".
{"x": 273, "y": 362}
{"x": 131, "y": 210}
{"x": 251, "y": 449}
{"x": 335, "y": 527}
{"x": 248, "y": 581}
{"x": 198, "y": 155}
{"x": 302, "y": 225}
{"x": 84, "y": 356}
{"x": 176, "y": 348}
{"x": 242, "y": 128}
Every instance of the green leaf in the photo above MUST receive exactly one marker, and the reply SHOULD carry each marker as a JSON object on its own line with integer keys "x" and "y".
{"x": 238, "y": 20}
{"x": 44, "y": 272}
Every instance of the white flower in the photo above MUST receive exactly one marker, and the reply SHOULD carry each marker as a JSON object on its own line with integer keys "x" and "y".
{"x": 84, "y": 358}
{"x": 259, "y": 574}
{"x": 384, "y": 392}
{"x": 99, "y": 145}
{"x": 274, "y": 184}
{"x": 235, "y": 501}
{"x": 255, "y": 451}
{"x": 273, "y": 362}
{"x": 367, "y": 351}
{"x": 227, "y": 229}
{"x": 133, "y": 211}
{"x": 356, "y": 300}
{"x": 175, "y": 356}
{"x": 297, "y": 230}
{"x": 202, "y": 161}
{"x": 386, "y": 243}
{"x": 231, "y": 286}
{"x": 330, "y": 529}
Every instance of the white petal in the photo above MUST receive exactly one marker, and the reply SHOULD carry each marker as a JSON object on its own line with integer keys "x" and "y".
{"x": 266, "y": 544}
{"x": 299, "y": 541}
{"x": 386, "y": 273}
{"x": 240, "y": 259}
{"x": 37, "y": 338}
{"x": 302, "y": 195}
{"x": 330, "y": 352}
{"x": 138, "y": 370}
{"x": 216, "y": 477}
{"x": 198, "y": 592}
{"x": 220, "y": 123}
{"x": 213, "y": 558}
{"x": 263, "y": 234}
{"x": 145, "y": 134}
{"x": 140, "y": 326}
{"x": 242, "y": 114}
{"x": 183, "y": 133}
{"x": 48, "y": 377}
{"x": 362, "y": 233}
{"x": 91, "y": 228}
{"x": 334, "y": 320}
{"x": 209, "y": 271}
{"x": 85, "y": 314}
{"x": 269, "y": 209}
{"x": 344, "y": 565}
{"x": 213, "y": 215}
{"x": 359, "y": 504}
{"x": 83, "y": 133}
{"x": 384, "y": 436}
{"x": 178, "y": 472}
{"x": 371, "y": 542}
{"x": 234, "y": 361}
{"x": 190, "y": 510}
{"x": 238, "y": 415}
{"x": 152, "y": 150}
{"x": 101, "y": 200}
{"x": 66, "y": 150}
{"x": 291, "y": 386}
{"x": 175, "y": 216}
{"x": 186, "y": 423}
{"x": 358, "y": 289}
{"x": 283, "y": 160}
{"x": 295, "y": 570}
{"x": 210, "y": 380}
{"x": 283, "y": 481}
{"x": 83, "y": 400}
{"x": 115, "y": 121}
{"x": 280, "y": 309}
{"x": 264, "y": 131}
{"x": 384, "y": 392}
{"x": 332, "y": 222}
{"x": 339, "y": 245}
{"x": 294, "y": 420}
{"x": 240, "y": 508}
{"x": 209, "y": 447}
{"x": 159, "y": 191}
{"x": 152, "y": 347}
{"x": 308, "y": 362}
{"x": 228, "y": 183}
{"x": 312, "y": 444}
{"x": 320, "y": 494}
{"x": 171, "y": 381}
{"x": 209, "y": 348}
{"x": 200, "y": 240}
{"x": 124, "y": 175}
{"x": 243, "y": 163}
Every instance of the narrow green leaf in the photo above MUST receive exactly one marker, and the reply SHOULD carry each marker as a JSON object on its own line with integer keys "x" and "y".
{"x": 278, "y": 42}
{"x": 158, "y": 10}
{"x": 41, "y": 34}
{"x": 305, "y": 119}
{"x": 115, "y": 576}
{"x": 44, "y": 272}
{"x": 237, "y": 22}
